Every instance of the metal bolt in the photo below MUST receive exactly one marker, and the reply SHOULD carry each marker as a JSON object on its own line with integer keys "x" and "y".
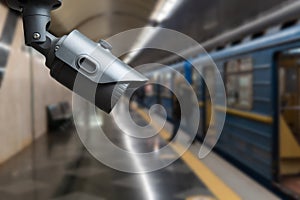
{"x": 36, "y": 36}
{"x": 105, "y": 45}
{"x": 57, "y": 47}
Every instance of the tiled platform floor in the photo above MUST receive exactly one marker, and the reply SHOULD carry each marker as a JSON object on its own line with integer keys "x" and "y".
{"x": 58, "y": 167}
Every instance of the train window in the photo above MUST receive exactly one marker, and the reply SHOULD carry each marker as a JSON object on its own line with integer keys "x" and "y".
{"x": 232, "y": 90}
{"x": 245, "y": 90}
{"x": 232, "y": 66}
{"x": 238, "y": 83}
{"x": 246, "y": 64}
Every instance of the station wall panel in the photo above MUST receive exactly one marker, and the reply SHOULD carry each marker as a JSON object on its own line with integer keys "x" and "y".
{"x": 26, "y": 89}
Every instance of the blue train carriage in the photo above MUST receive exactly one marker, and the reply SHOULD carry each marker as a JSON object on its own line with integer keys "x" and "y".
{"x": 262, "y": 128}
{"x": 170, "y": 80}
{"x": 164, "y": 81}
{"x": 260, "y": 73}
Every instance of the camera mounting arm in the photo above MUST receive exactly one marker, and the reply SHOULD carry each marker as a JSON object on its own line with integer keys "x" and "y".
{"x": 75, "y": 56}
{"x": 36, "y": 17}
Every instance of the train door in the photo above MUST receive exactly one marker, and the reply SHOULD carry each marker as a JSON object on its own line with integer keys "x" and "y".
{"x": 197, "y": 81}
{"x": 289, "y": 118}
{"x": 209, "y": 74}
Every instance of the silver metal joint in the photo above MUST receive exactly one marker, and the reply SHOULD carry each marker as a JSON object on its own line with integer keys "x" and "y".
{"x": 56, "y": 48}
{"x": 36, "y": 36}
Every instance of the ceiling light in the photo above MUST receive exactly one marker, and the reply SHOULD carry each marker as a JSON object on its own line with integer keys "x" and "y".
{"x": 164, "y": 9}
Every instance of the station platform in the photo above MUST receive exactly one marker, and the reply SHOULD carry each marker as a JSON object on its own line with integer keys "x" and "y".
{"x": 58, "y": 167}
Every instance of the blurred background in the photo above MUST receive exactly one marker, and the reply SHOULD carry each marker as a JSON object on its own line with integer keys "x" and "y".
{"x": 29, "y": 97}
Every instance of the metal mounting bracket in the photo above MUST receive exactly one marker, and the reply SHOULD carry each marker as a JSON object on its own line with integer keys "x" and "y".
{"x": 36, "y": 17}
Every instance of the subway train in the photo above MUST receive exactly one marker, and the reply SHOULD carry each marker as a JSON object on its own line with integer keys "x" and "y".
{"x": 261, "y": 74}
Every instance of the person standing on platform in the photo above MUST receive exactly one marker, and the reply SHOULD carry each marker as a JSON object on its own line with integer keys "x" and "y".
{"x": 176, "y": 117}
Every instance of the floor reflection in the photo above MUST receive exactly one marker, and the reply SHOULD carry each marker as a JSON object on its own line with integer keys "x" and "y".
{"x": 59, "y": 167}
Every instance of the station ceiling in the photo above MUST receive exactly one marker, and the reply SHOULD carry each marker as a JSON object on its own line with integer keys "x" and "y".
{"x": 199, "y": 19}
{"x": 101, "y": 18}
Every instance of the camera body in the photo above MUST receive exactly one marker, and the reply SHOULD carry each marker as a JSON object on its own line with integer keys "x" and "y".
{"x": 97, "y": 74}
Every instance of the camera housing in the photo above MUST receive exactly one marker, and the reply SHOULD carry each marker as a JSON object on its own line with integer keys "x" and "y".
{"x": 74, "y": 59}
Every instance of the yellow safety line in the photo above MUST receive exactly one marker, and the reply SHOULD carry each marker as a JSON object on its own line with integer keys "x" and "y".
{"x": 216, "y": 185}
{"x": 248, "y": 115}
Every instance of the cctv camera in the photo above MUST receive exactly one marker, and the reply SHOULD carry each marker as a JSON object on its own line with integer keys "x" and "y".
{"x": 77, "y": 57}
{"x": 103, "y": 77}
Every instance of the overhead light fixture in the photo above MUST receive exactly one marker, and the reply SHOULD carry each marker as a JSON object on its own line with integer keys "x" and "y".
{"x": 164, "y": 9}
